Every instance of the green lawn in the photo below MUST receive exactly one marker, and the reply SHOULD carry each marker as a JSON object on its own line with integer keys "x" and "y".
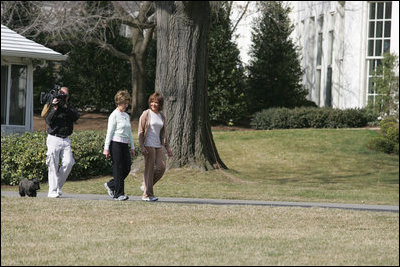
{"x": 310, "y": 165}
{"x": 285, "y": 165}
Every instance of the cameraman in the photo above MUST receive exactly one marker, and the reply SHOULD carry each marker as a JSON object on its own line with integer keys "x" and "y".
{"x": 60, "y": 120}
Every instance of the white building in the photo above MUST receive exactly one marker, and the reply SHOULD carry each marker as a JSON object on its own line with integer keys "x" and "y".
{"x": 19, "y": 56}
{"x": 342, "y": 43}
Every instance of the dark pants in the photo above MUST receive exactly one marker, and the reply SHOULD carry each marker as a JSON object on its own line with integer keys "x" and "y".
{"x": 121, "y": 159}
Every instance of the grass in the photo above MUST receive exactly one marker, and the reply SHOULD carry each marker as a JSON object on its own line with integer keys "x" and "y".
{"x": 283, "y": 165}
{"x": 40, "y": 231}
{"x": 310, "y": 165}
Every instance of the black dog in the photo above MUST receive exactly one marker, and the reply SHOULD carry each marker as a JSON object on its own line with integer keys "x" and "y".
{"x": 28, "y": 187}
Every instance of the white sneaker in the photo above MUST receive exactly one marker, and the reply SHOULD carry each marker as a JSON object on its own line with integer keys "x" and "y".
{"x": 109, "y": 191}
{"x": 53, "y": 195}
{"x": 122, "y": 198}
{"x": 149, "y": 198}
{"x": 142, "y": 188}
{"x": 59, "y": 192}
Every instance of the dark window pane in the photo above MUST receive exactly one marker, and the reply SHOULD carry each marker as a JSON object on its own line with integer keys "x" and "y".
{"x": 372, "y": 10}
{"x": 18, "y": 94}
{"x": 370, "y": 48}
{"x": 387, "y": 28}
{"x": 379, "y": 14}
{"x": 4, "y": 84}
{"x": 371, "y": 67}
{"x": 328, "y": 95}
{"x": 386, "y": 46}
{"x": 371, "y": 89}
{"x": 378, "y": 48}
{"x": 388, "y": 10}
{"x": 379, "y": 29}
{"x": 321, "y": 21}
{"x": 319, "y": 52}
{"x": 371, "y": 29}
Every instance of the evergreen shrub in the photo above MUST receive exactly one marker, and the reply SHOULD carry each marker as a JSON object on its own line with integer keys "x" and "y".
{"x": 24, "y": 156}
{"x": 309, "y": 117}
{"x": 388, "y": 141}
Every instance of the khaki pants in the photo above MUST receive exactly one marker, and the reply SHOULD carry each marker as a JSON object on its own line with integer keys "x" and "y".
{"x": 154, "y": 169}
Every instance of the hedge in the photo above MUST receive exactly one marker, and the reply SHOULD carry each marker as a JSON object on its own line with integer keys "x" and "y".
{"x": 24, "y": 156}
{"x": 309, "y": 117}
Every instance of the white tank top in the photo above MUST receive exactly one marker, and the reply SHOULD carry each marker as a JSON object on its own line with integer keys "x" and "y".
{"x": 153, "y": 132}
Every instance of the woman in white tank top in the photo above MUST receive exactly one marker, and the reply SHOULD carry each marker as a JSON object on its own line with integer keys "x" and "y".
{"x": 152, "y": 139}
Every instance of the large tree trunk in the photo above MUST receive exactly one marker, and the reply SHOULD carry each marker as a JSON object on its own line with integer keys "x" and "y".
{"x": 182, "y": 34}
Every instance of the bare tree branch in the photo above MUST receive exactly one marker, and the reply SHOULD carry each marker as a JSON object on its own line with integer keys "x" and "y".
{"x": 241, "y": 16}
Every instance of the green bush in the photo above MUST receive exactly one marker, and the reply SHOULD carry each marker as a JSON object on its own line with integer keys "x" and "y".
{"x": 388, "y": 142}
{"x": 305, "y": 117}
{"x": 24, "y": 156}
{"x": 390, "y": 129}
{"x": 382, "y": 144}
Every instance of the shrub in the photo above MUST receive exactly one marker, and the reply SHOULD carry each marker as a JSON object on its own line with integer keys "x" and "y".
{"x": 388, "y": 142}
{"x": 382, "y": 144}
{"x": 24, "y": 156}
{"x": 305, "y": 117}
{"x": 390, "y": 129}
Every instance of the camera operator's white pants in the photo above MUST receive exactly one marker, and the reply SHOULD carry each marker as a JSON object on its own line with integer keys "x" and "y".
{"x": 58, "y": 148}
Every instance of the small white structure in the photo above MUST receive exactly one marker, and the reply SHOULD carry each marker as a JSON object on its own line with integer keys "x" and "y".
{"x": 18, "y": 55}
{"x": 341, "y": 43}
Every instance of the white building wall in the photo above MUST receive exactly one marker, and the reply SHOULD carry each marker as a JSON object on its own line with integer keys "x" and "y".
{"x": 354, "y": 51}
{"x": 349, "y": 22}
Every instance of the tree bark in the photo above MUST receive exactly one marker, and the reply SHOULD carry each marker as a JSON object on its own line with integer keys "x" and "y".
{"x": 141, "y": 38}
{"x": 181, "y": 77}
{"x": 137, "y": 60}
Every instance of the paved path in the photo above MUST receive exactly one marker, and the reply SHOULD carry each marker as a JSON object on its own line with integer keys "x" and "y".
{"x": 384, "y": 208}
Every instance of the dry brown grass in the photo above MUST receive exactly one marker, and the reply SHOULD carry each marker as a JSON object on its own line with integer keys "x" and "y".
{"x": 37, "y": 231}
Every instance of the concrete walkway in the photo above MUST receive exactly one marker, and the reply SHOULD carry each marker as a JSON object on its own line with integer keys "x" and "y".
{"x": 384, "y": 208}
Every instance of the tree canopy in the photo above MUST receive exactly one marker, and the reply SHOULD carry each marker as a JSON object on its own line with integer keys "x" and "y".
{"x": 274, "y": 70}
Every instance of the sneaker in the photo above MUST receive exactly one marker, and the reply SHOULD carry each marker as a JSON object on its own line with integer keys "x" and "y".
{"x": 142, "y": 188}
{"x": 59, "y": 192}
{"x": 121, "y": 198}
{"x": 53, "y": 195}
{"x": 109, "y": 191}
{"x": 149, "y": 198}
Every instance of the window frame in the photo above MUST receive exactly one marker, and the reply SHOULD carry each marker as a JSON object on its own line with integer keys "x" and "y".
{"x": 7, "y": 112}
{"x": 374, "y": 59}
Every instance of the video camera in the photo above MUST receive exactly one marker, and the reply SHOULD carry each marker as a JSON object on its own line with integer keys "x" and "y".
{"x": 47, "y": 98}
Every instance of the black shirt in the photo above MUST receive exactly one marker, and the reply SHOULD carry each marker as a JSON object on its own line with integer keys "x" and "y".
{"x": 61, "y": 121}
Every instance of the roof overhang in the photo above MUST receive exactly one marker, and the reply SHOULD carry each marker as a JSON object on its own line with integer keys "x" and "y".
{"x": 16, "y": 45}
{"x": 33, "y": 55}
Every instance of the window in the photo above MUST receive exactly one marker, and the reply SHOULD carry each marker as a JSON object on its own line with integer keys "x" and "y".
{"x": 13, "y": 94}
{"x": 319, "y": 59}
{"x": 318, "y": 81}
{"x": 328, "y": 93}
{"x": 319, "y": 51}
{"x": 310, "y": 54}
{"x": 4, "y": 92}
{"x": 379, "y": 28}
